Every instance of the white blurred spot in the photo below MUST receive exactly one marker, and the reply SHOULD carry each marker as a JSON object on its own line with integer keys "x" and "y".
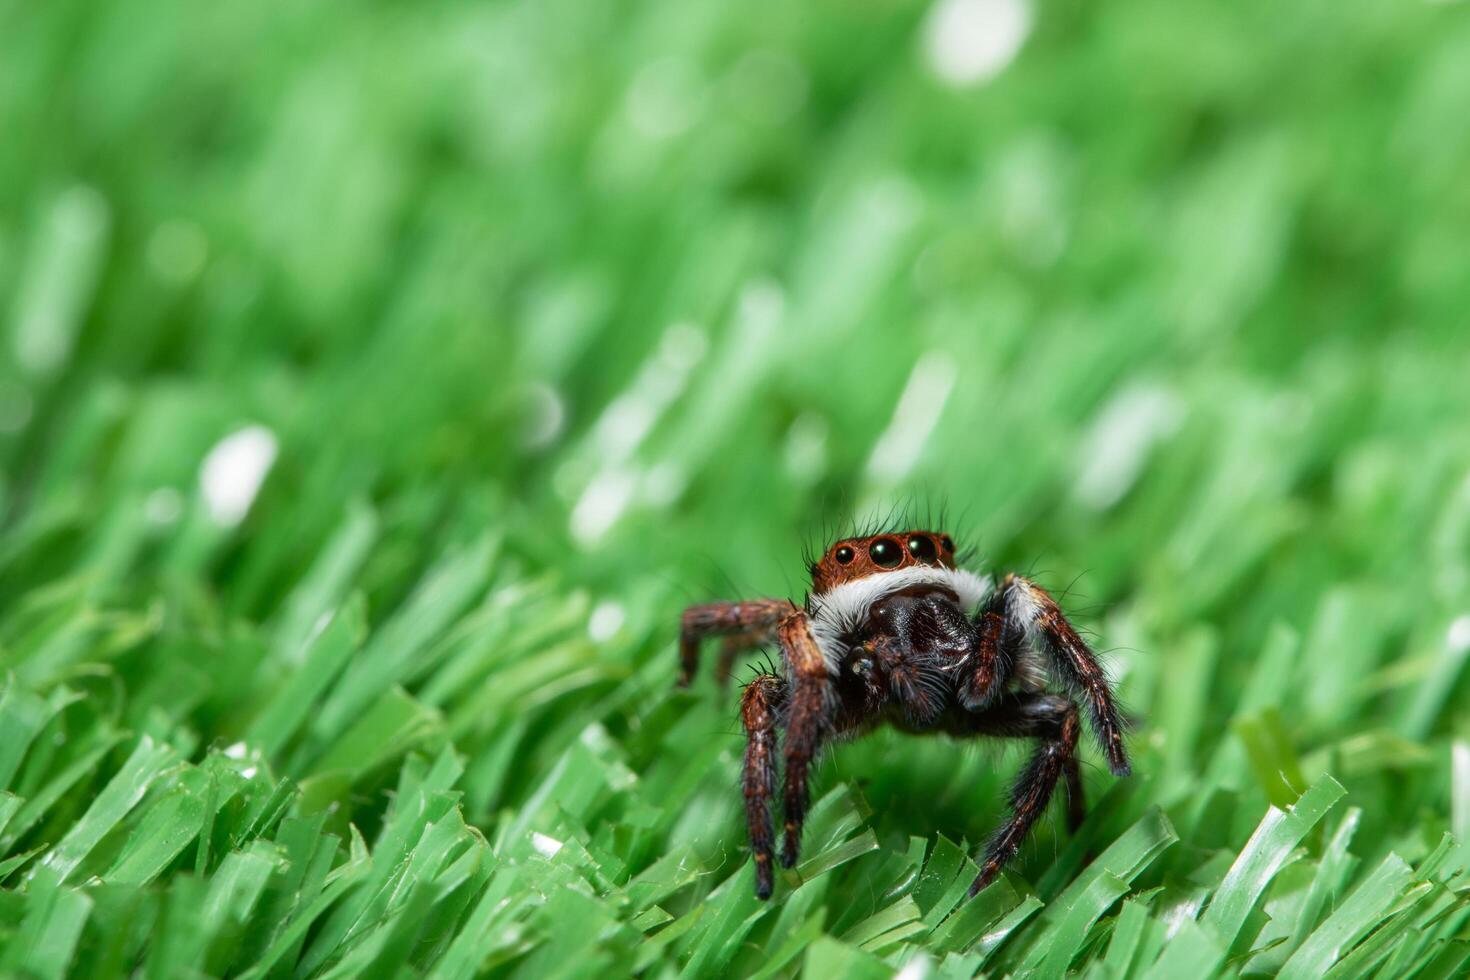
{"x": 917, "y": 968}
{"x": 177, "y": 251}
{"x": 236, "y": 751}
{"x": 628, "y": 418}
{"x": 972, "y": 41}
{"x": 233, "y": 472}
{"x": 248, "y": 772}
{"x": 1118, "y": 444}
{"x": 805, "y": 453}
{"x": 626, "y": 422}
{"x": 605, "y": 621}
{"x": 665, "y": 98}
{"x": 16, "y": 408}
{"x": 918, "y": 410}
{"x": 546, "y": 415}
{"x": 164, "y": 506}
{"x": 58, "y": 281}
{"x": 322, "y": 622}
{"x": 602, "y": 503}
{"x": 545, "y": 846}
{"x": 1458, "y": 637}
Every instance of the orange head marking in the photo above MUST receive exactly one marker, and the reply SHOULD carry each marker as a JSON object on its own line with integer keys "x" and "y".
{"x": 855, "y": 558}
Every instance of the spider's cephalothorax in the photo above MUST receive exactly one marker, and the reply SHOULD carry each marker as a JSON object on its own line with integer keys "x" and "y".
{"x": 894, "y": 631}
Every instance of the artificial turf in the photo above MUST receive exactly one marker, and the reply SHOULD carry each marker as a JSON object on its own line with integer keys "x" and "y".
{"x": 378, "y": 381}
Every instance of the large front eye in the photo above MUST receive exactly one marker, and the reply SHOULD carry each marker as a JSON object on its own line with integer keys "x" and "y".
{"x": 843, "y": 555}
{"x": 922, "y": 548}
{"x": 885, "y": 553}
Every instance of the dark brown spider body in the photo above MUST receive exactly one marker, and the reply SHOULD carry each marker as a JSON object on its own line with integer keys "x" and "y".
{"x": 896, "y": 668}
{"x": 894, "y": 632}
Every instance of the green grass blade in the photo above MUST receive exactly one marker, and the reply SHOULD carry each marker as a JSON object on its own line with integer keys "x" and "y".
{"x": 444, "y": 594}
{"x": 1263, "y": 856}
{"x": 324, "y": 586}
{"x": 147, "y": 763}
{"x": 47, "y": 938}
{"x": 1192, "y": 952}
{"x": 1361, "y": 911}
{"x": 1069, "y": 918}
{"x": 326, "y": 654}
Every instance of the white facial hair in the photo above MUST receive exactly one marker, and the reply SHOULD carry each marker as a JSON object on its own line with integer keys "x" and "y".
{"x": 843, "y": 610}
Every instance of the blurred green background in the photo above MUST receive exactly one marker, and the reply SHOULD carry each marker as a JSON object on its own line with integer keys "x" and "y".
{"x": 379, "y": 380}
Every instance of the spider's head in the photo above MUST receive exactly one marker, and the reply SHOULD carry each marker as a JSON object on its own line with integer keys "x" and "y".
{"x": 856, "y": 574}
{"x": 858, "y": 558}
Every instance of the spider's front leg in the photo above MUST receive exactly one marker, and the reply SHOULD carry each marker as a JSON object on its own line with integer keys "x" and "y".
{"x": 760, "y": 706}
{"x": 808, "y": 722}
{"x": 743, "y": 624}
{"x": 1020, "y": 611}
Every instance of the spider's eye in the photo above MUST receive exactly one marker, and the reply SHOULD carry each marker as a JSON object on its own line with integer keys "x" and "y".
{"x": 843, "y": 555}
{"x": 922, "y": 548}
{"x": 947, "y": 543}
{"x": 885, "y": 553}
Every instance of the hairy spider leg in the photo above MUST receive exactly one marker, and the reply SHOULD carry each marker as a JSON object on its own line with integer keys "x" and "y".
{"x": 760, "y": 706}
{"x": 1072, "y": 661}
{"x": 1052, "y": 720}
{"x": 1001, "y": 640}
{"x": 807, "y": 723}
{"x": 747, "y": 623}
{"x": 732, "y": 646}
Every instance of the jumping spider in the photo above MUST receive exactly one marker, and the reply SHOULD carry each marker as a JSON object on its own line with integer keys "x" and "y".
{"x": 894, "y": 631}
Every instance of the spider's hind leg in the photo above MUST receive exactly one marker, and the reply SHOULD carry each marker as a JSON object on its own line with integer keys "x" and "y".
{"x": 760, "y": 707}
{"x": 1052, "y": 720}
